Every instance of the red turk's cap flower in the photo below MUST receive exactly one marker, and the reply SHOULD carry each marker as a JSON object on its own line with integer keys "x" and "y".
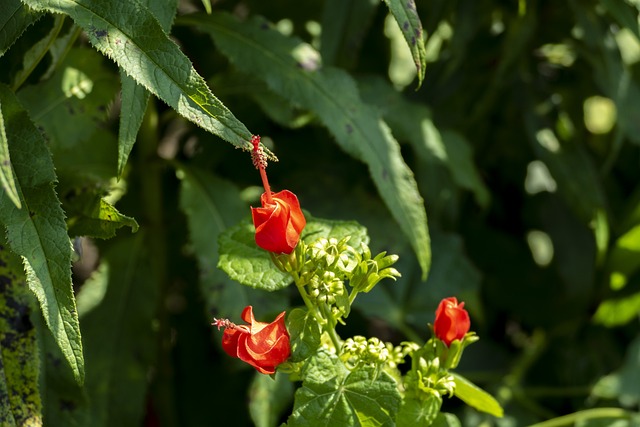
{"x": 280, "y": 220}
{"x": 452, "y": 321}
{"x": 262, "y": 345}
{"x": 278, "y": 224}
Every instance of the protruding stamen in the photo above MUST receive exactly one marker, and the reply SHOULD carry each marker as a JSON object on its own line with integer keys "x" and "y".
{"x": 223, "y": 323}
{"x": 260, "y": 162}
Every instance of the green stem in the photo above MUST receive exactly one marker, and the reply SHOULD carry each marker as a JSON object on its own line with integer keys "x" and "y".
{"x": 44, "y": 48}
{"x": 151, "y": 176}
{"x": 305, "y": 297}
{"x": 587, "y": 414}
{"x": 330, "y": 327}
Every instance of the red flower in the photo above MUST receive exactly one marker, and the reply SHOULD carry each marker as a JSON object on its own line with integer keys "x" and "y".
{"x": 452, "y": 321}
{"x": 262, "y": 345}
{"x": 278, "y": 222}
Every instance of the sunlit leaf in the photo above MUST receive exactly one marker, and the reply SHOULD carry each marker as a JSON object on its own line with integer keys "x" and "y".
{"x": 475, "y": 397}
{"x": 130, "y": 35}
{"x": 38, "y": 232}
{"x": 15, "y": 17}
{"x": 268, "y": 397}
{"x": 334, "y": 396}
{"x": 406, "y": 15}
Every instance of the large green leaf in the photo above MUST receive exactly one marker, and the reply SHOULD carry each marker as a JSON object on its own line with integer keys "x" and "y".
{"x": 406, "y": 15}
{"x": 623, "y": 384}
{"x": 128, "y": 33}
{"x": 291, "y": 69}
{"x": 268, "y": 397}
{"x": 332, "y": 396}
{"x": 20, "y": 402}
{"x": 15, "y": 17}
{"x": 6, "y": 171}
{"x": 117, "y": 315}
{"x": 38, "y": 232}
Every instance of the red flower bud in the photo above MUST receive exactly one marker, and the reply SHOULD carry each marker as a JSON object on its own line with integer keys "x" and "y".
{"x": 278, "y": 224}
{"x": 452, "y": 321}
{"x": 262, "y": 345}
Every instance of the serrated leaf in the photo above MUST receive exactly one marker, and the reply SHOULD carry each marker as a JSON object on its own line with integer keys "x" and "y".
{"x": 304, "y": 332}
{"x": 90, "y": 215}
{"x": 268, "y": 397}
{"x": 212, "y": 205}
{"x": 291, "y": 69}
{"x": 475, "y": 397}
{"x": 38, "y": 232}
{"x": 406, "y": 15}
{"x": 20, "y": 402}
{"x": 332, "y": 396}
{"x": 251, "y": 265}
{"x": 134, "y": 98}
{"x": 129, "y": 34}
{"x": 15, "y": 17}
{"x": 120, "y": 343}
{"x": 6, "y": 171}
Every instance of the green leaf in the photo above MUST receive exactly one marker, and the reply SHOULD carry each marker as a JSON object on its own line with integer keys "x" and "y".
{"x": 344, "y": 26}
{"x": 212, "y": 205}
{"x": 332, "y": 396}
{"x": 38, "y": 232}
{"x": 20, "y": 402}
{"x": 419, "y": 412}
{"x": 268, "y": 398}
{"x": 6, "y": 171}
{"x": 304, "y": 332}
{"x": 622, "y": 384}
{"x": 120, "y": 343}
{"x": 624, "y": 258}
{"x": 251, "y": 265}
{"x": 70, "y": 104}
{"x": 412, "y": 122}
{"x": 90, "y": 215}
{"x": 446, "y": 420}
{"x": 475, "y": 397}
{"x": 291, "y": 69}
{"x": 625, "y": 14}
{"x": 406, "y": 15}
{"x": 15, "y": 17}
{"x": 618, "y": 311}
{"x": 130, "y": 35}
{"x": 134, "y": 97}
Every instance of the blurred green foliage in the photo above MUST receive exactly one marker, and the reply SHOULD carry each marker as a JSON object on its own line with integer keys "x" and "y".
{"x": 520, "y": 145}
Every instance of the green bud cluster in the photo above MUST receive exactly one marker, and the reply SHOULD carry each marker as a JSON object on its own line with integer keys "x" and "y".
{"x": 428, "y": 377}
{"x": 360, "y": 351}
{"x": 369, "y": 271}
{"x": 326, "y": 287}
